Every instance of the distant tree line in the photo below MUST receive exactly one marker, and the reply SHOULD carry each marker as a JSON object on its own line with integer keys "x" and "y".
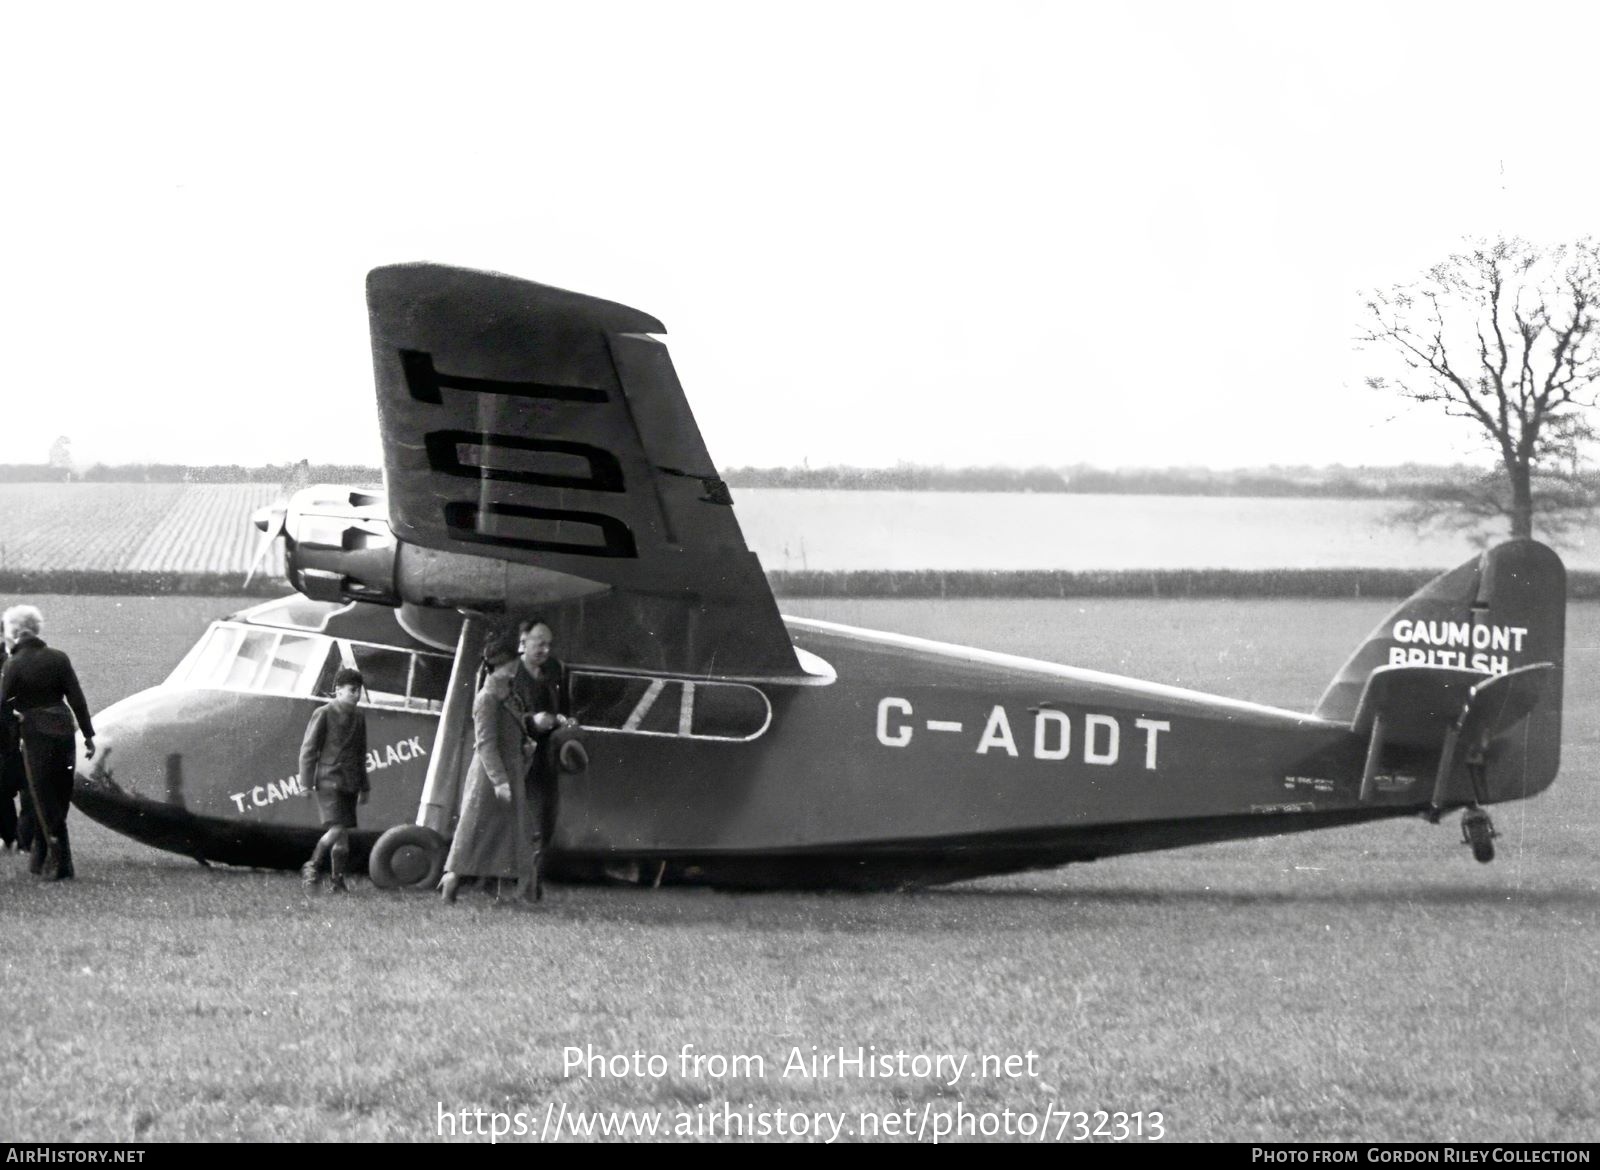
{"x": 33, "y": 473}
{"x": 906, "y": 478}
{"x": 1405, "y": 482}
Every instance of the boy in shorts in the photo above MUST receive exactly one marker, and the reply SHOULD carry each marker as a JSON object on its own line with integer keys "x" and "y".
{"x": 333, "y": 769}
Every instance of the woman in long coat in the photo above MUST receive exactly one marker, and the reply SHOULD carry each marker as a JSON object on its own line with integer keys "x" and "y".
{"x": 494, "y": 835}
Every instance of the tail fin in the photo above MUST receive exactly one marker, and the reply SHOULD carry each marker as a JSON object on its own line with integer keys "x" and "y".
{"x": 1498, "y": 613}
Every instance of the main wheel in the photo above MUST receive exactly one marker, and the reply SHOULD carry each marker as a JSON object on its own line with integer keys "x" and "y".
{"x": 407, "y": 856}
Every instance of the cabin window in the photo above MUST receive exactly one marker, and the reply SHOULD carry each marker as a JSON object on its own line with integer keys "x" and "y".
{"x": 728, "y": 712}
{"x": 606, "y": 700}
{"x": 385, "y": 672}
{"x": 686, "y": 708}
{"x": 399, "y": 678}
{"x": 430, "y": 679}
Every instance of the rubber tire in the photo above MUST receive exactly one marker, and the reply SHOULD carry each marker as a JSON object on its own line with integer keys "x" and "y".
{"x": 407, "y": 856}
{"x": 1475, "y": 827}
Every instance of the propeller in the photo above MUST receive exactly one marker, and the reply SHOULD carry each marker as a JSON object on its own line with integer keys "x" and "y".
{"x": 271, "y": 520}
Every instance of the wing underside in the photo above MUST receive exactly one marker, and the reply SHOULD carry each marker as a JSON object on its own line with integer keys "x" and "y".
{"x": 541, "y": 427}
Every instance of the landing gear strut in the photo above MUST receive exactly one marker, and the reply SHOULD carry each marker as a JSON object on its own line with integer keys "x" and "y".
{"x": 1478, "y": 831}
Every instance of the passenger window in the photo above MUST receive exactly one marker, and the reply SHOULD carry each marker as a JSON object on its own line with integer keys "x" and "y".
{"x": 659, "y": 710}
{"x": 661, "y": 706}
{"x": 385, "y": 673}
{"x": 606, "y": 700}
{"x": 728, "y": 711}
{"x": 430, "y": 679}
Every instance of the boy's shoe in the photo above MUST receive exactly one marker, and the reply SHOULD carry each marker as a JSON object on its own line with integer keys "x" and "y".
{"x": 336, "y": 885}
{"x": 308, "y": 875}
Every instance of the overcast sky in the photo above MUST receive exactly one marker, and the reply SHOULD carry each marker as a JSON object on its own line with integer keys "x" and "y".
{"x": 1024, "y": 233}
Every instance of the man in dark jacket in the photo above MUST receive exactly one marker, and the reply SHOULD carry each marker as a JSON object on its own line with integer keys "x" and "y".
{"x": 39, "y": 688}
{"x": 543, "y": 695}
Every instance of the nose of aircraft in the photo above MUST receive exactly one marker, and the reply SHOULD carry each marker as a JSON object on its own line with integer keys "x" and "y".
{"x": 176, "y": 768}
{"x": 114, "y": 728}
{"x": 134, "y": 782}
{"x": 92, "y": 767}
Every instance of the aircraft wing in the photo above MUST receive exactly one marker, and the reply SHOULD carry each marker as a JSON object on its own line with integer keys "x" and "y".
{"x": 541, "y": 427}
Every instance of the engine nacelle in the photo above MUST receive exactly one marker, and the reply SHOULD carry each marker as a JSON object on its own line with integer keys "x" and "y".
{"x": 338, "y": 546}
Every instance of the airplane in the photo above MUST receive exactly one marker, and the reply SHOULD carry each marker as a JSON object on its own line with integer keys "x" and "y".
{"x": 541, "y": 457}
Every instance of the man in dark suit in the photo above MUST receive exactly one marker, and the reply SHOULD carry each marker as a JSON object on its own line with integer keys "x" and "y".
{"x": 39, "y": 690}
{"x": 543, "y": 698}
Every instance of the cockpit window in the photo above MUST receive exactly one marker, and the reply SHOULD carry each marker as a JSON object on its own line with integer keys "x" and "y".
{"x": 686, "y": 708}
{"x": 287, "y": 664}
{"x": 280, "y": 662}
{"x": 207, "y": 664}
{"x": 249, "y": 660}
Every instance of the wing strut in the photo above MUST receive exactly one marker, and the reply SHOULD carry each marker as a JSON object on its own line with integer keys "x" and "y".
{"x": 452, "y": 744}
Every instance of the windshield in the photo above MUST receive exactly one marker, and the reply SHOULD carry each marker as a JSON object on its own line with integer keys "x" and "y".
{"x": 235, "y": 656}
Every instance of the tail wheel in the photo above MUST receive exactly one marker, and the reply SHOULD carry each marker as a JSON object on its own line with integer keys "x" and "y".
{"x": 407, "y": 857}
{"x": 1478, "y": 831}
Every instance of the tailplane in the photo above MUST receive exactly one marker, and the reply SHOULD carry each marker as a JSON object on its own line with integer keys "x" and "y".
{"x": 1461, "y": 685}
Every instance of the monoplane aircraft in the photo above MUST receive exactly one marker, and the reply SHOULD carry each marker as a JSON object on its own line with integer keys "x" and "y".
{"x": 540, "y": 457}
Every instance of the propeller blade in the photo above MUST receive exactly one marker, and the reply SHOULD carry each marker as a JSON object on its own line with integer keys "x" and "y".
{"x": 271, "y": 521}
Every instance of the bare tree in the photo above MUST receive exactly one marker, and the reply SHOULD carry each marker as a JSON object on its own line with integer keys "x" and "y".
{"x": 1506, "y": 335}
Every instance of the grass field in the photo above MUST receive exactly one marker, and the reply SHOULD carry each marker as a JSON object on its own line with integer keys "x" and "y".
{"x": 159, "y": 527}
{"x": 1354, "y": 984}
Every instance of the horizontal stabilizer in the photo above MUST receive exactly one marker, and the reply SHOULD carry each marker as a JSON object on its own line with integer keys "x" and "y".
{"x": 1494, "y": 710}
{"x": 1417, "y": 704}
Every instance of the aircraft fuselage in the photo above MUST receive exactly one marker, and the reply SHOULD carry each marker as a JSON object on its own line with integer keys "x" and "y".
{"x": 897, "y": 761}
